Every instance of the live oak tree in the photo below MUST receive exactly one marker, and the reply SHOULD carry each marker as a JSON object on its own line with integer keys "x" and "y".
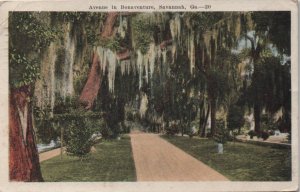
{"x": 28, "y": 37}
{"x": 270, "y": 29}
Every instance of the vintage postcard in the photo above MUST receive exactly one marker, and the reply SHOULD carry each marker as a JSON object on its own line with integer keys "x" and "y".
{"x": 149, "y": 95}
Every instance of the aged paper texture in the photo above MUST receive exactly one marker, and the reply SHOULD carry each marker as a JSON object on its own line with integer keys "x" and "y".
{"x": 168, "y": 95}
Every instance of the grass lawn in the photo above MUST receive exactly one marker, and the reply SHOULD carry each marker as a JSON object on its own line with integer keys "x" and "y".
{"x": 112, "y": 161}
{"x": 240, "y": 161}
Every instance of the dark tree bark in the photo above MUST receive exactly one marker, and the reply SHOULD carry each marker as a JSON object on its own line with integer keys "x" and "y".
{"x": 257, "y": 113}
{"x": 203, "y": 125}
{"x": 255, "y": 54}
{"x": 213, "y": 116}
{"x": 23, "y": 155}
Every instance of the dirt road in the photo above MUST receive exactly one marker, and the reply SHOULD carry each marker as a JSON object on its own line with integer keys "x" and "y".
{"x": 158, "y": 160}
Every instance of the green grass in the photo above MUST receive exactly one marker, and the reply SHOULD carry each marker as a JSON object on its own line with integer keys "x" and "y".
{"x": 240, "y": 161}
{"x": 112, "y": 161}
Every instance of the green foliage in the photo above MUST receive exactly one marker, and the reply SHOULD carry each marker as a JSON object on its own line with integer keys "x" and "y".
{"x": 65, "y": 105}
{"x": 113, "y": 44}
{"x": 252, "y": 133}
{"x": 217, "y": 84}
{"x": 28, "y": 36}
{"x": 29, "y": 33}
{"x": 276, "y": 26}
{"x": 78, "y": 137}
{"x": 267, "y": 123}
{"x": 235, "y": 117}
{"x": 142, "y": 34}
{"x": 80, "y": 80}
{"x": 112, "y": 106}
{"x": 77, "y": 17}
{"x": 46, "y": 130}
{"x": 22, "y": 70}
{"x": 222, "y": 135}
{"x": 111, "y": 161}
{"x": 203, "y": 21}
{"x": 79, "y": 126}
{"x": 270, "y": 85}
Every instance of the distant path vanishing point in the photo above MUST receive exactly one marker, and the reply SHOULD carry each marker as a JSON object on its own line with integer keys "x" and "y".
{"x": 158, "y": 160}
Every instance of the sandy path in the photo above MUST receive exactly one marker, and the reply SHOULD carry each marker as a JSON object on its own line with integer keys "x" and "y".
{"x": 49, "y": 154}
{"x": 158, "y": 160}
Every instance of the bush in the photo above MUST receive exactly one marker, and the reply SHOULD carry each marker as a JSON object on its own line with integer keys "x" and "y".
{"x": 124, "y": 128}
{"x": 78, "y": 138}
{"x": 267, "y": 122}
{"x": 264, "y": 135}
{"x": 79, "y": 126}
{"x": 235, "y": 118}
{"x": 46, "y": 131}
{"x": 221, "y": 136}
{"x": 252, "y": 134}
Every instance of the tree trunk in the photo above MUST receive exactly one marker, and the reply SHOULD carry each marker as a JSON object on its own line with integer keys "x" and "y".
{"x": 201, "y": 117}
{"x": 213, "y": 116}
{"x": 203, "y": 133}
{"x": 92, "y": 86}
{"x": 23, "y": 155}
{"x": 257, "y": 112}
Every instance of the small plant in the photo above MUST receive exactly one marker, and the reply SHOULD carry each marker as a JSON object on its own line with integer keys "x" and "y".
{"x": 106, "y": 132}
{"x": 78, "y": 127}
{"x": 221, "y": 136}
{"x": 252, "y": 134}
{"x": 78, "y": 138}
{"x": 264, "y": 135}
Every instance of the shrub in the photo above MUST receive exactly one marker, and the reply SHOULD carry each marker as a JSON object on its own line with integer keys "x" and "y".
{"x": 46, "y": 131}
{"x": 79, "y": 127}
{"x": 252, "y": 134}
{"x": 124, "y": 128}
{"x": 267, "y": 122}
{"x": 264, "y": 135}
{"x": 78, "y": 138}
{"x": 235, "y": 118}
{"x": 221, "y": 136}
